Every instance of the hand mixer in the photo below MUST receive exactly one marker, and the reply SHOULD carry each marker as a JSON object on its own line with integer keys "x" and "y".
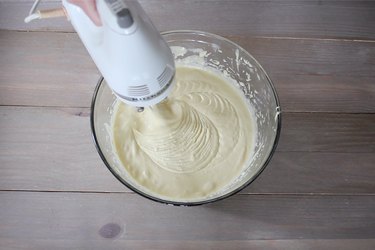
{"x": 130, "y": 53}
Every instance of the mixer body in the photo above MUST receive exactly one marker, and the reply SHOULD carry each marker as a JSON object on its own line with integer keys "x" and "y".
{"x": 132, "y": 56}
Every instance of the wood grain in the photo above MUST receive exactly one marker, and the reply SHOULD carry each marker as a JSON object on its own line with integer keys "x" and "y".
{"x": 317, "y": 173}
{"x": 51, "y": 149}
{"x": 312, "y": 18}
{"x": 89, "y": 218}
{"x": 321, "y": 132}
{"x": 295, "y": 244}
{"x": 53, "y": 69}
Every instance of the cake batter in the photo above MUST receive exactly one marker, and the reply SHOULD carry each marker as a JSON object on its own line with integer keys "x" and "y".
{"x": 191, "y": 145}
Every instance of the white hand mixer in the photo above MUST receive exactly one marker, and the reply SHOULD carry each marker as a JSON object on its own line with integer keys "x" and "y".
{"x": 130, "y": 53}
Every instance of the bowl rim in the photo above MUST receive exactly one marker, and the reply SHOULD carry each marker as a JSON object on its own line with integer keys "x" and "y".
{"x": 189, "y": 203}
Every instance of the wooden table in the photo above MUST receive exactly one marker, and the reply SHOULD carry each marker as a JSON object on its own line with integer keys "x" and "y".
{"x": 318, "y": 192}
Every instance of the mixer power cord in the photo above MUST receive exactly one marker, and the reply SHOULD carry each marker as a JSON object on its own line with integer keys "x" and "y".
{"x": 41, "y": 14}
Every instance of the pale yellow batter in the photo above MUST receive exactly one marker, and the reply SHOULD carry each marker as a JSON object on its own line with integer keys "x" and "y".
{"x": 190, "y": 146}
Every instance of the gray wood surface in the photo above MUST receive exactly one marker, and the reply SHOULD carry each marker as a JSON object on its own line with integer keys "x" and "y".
{"x": 295, "y": 244}
{"x": 81, "y": 217}
{"x": 54, "y": 69}
{"x": 51, "y": 149}
{"x": 318, "y": 192}
{"x": 292, "y": 18}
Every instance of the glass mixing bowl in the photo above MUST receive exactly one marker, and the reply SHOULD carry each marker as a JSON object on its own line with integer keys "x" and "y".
{"x": 223, "y": 57}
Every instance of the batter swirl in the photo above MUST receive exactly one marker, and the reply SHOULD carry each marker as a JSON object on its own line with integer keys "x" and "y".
{"x": 191, "y": 145}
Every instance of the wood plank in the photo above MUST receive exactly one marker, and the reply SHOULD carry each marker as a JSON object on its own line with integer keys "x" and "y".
{"x": 317, "y": 173}
{"x": 321, "y": 132}
{"x": 310, "y": 18}
{"x": 318, "y": 75}
{"x": 312, "y": 56}
{"x": 89, "y": 218}
{"x": 51, "y": 149}
{"x": 43, "y": 148}
{"x": 342, "y": 244}
{"x": 53, "y": 69}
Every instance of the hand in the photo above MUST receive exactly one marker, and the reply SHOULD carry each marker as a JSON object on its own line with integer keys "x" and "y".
{"x": 89, "y": 7}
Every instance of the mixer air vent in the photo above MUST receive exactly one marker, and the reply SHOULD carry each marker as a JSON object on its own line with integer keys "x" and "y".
{"x": 164, "y": 78}
{"x": 139, "y": 90}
